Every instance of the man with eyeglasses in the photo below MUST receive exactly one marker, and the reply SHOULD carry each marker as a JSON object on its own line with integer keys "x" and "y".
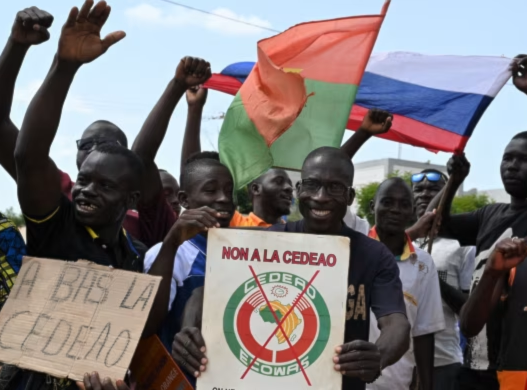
{"x": 324, "y": 194}
{"x": 455, "y": 265}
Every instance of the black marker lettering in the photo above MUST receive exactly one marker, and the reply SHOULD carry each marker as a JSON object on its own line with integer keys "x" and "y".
{"x": 106, "y": 329}
{"x": 122, "y": 351}
{"x": 128, "y": 293}
{"x": 60, "y": 334}
{"x": 145, "y": 296}
{"x": 77, "y": 341}
{"x": 34, "y": 330}
{"x": 86, "y": 287}
{"x": 68, "y": 283}
{"x": 28, "y": 280}
{"x": 104, "y": 289}
{"x": 2, "y": 345}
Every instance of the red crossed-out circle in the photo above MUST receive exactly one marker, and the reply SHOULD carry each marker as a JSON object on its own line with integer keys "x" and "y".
{"x": 301, "y": 346}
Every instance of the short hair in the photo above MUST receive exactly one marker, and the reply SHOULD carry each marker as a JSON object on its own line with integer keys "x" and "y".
{"x": 134, "y": 162}
{"x": 119, "y": 134}
{"x": 522, "y": 135}
{"x": 394, "y": 180}
{"x": 332, "y": 153}
{"x": 196, "y": 162}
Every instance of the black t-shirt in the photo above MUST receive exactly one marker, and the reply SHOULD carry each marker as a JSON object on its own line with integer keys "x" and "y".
{"x": 373, "y": 284}
{"x": 60, "y": 236}
{"x": 505, "y": 330}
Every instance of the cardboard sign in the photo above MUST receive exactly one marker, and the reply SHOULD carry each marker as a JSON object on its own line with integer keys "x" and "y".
{"x": 69, "y": 318}
{"x": 274, "y": 310}
{"x": 154, "y": 369}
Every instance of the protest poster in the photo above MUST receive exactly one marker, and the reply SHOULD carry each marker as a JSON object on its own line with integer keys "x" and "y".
{"x": 154, "y": 369}
{"x": 274, "y": 310}
{"x": 68, "y": 318}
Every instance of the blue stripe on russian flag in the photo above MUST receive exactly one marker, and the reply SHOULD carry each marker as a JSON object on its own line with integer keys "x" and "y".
{"x": 456, "y": 112}
{"x": 238, "y": 70}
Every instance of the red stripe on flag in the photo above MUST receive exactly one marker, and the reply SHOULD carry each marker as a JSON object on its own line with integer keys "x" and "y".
{"x": 409, "y": 131}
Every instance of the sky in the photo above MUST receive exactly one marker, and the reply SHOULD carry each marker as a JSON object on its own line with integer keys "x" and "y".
{"x": 123, "y": 85}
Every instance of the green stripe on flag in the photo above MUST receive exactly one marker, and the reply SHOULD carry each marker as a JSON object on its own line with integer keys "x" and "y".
{"x": 242, "y": 148}
{"x": 321, "y": 123}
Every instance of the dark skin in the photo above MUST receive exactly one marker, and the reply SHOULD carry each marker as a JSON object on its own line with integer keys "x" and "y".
{"x": 360, "y": 359}
{"x": 171, "y": 190}
{"x": 356, "y": 359}
{"x": 103, "y": 193}
{"x": 209, "y": 204}
{"x": 99, "y": 132}
{"x": 508, "y": 254}
{"x": 189, "y": 73}
{"x": 377, "y": 122}
{"x": 272, "y": 195}
{"x": 394, "y": 208}
{"x": 30, "y": 28}
{"x": 196, "y": 99}
{"x": 39, "y": 187}
{"x": 513, "y": 171}
{"x": 93, "y": 382}
{"x": 424, "y": 192}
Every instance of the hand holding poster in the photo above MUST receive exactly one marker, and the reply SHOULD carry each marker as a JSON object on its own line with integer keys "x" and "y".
{"x": 66, "y": 319}
{"x": 274, "y": 310}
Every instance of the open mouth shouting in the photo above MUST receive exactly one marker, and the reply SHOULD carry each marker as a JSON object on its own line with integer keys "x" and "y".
{"x": 85, "y": 207}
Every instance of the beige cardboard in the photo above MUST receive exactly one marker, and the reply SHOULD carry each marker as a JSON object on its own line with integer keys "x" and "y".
{"x": 68, "y": 318}
{"x": 236, "y": 316}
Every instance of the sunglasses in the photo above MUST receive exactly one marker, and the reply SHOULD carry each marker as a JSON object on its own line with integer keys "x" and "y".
{"x": 88, "y": 144}
{"x": 430, "y": 176}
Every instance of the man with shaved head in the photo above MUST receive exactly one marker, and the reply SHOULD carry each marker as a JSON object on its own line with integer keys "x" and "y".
{"x": 324, "y": 194}
{"x": 393, "y": 207}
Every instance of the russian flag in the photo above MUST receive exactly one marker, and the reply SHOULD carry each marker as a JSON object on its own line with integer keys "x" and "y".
{"x": 436, "y": 101}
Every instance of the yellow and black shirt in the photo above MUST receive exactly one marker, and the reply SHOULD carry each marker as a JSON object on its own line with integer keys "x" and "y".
{"x": 60, "y": 236}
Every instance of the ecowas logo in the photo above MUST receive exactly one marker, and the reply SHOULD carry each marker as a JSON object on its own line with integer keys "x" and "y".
{"x": 250, "y": 326}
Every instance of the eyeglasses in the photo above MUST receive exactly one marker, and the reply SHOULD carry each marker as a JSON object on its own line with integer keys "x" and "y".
{"x": 430, "y": 176}
{"x": 88, "y": 144}
{"x": 312, "y": 186}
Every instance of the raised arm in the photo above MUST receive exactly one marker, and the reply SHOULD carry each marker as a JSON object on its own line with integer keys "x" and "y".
{"x": 191, "y": 223}
{"x": 190, "y": 72}
{"x": 507, "y": 255}
{"x": 39, "y": 188}
{"x": 196, "y": 99}
{"x": 519, "y": 73}
{"x": 375, "y": 122}
{"x": 30, "y": 28}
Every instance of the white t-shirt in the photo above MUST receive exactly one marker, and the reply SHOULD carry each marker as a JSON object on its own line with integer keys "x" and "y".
{"x": 356, "y": 223}
{"x": 455, "y": 265}
{"x": 424, "y": 311}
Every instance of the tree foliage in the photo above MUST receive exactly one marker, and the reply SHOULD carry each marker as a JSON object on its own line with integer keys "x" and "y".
{"x": 467, "y": 203}
{"x": 16, "y": 218}
{"x": 461, "y": 204}
{"x": 245, "y": 205}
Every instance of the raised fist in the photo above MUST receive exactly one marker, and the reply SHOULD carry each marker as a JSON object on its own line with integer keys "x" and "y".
{"x": 192, "y": 71}
{"x": 31, "y": 26}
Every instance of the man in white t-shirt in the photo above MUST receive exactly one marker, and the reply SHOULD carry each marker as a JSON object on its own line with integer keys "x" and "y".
{"x": 356, "y": 223}
{"x": 393, "y": 208}
{"x": 455, "y": 265}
